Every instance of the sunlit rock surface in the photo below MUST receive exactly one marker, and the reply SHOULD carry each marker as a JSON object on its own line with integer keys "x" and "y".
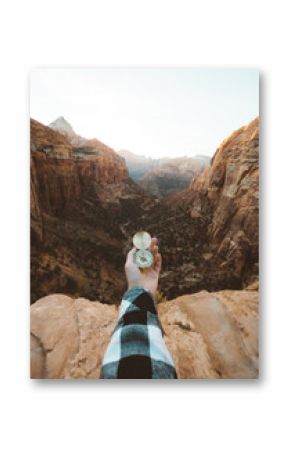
{"x": 209, "y": 335}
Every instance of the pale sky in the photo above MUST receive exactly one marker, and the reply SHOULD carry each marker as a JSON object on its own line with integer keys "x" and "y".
{"x": 154, "y": 112}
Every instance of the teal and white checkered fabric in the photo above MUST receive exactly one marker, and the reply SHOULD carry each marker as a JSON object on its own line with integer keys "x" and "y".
{"x": 137, "y": 349}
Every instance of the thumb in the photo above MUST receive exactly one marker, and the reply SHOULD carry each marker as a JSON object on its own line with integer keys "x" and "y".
{"x": 130, "y": 256}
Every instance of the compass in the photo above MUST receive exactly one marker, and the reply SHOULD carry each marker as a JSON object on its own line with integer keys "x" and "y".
{"x": 142, "y": 241}
{"x": 144, "y": 258}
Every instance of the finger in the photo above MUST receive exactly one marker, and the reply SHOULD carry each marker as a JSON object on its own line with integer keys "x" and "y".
{"x": 130, "y": 256}
{"x": 158, "y": 262}
{"x": 155, "y": 250}
{"x": 154, "y": 242}
{"x": 156, "y": 255}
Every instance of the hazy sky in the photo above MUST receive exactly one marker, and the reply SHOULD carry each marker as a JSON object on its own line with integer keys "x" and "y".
{"x": 154, "y": 112}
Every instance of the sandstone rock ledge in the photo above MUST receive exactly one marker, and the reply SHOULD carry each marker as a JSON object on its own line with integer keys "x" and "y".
{"x": 210, "y": 335}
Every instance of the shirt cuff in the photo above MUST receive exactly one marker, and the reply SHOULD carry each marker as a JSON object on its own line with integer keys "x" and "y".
{"x": 133, "y": 292}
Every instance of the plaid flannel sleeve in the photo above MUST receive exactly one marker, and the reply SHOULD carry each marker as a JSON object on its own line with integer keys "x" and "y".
{"x": 137, "y": 349}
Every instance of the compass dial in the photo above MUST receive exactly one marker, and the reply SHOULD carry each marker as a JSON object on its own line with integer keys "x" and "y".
{"x": 142, "y": 240}
{"x": 144, "y": 258}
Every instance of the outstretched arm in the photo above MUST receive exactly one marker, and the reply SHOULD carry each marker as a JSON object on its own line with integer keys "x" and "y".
{"x": 137, "y": 349}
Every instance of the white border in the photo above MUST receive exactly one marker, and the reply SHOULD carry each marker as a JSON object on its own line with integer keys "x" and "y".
{"x": 202, "y": 414}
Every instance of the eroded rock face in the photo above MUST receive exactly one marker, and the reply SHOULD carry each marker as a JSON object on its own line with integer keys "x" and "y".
{"x": 64, "y": 172}
{"x": 208, "y": 233}
{"x": 228, "y": 193}
{"x": 80, "y": 198}
{"x": 85, "y": 210}
{"x": 209, "y": 335}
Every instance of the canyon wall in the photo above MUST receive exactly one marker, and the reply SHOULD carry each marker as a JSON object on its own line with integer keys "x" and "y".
{"x": 228, "y": 194}
{"x": 63, "y": 173}
{"x": 209, "y": 233}
{"x": 85, "y": 210}
{"x": 80, "y": 196}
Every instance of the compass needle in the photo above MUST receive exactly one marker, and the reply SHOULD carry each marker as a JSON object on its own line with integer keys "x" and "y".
{"x": 144, "y": 258}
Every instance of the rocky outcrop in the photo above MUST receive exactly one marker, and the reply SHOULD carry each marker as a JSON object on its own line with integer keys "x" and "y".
{"x": 213, "y": 335}
{"x": 209, "y": 335}
{"x": 171, "y": 175}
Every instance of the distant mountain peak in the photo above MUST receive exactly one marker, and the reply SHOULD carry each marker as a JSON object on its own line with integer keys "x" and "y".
{"x": 62, "y": 125}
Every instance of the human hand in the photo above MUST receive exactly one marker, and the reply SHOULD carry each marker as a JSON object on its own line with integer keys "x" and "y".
{"x": 147, "y": 278}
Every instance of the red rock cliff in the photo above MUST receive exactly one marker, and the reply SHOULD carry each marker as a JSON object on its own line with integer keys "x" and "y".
{"x": 228, "y": 193}
{"x": 62, "y": 173}
{"x": 208, "y": 233}
{"x": 80, "y": 198}
{"x": 85, "y": 211}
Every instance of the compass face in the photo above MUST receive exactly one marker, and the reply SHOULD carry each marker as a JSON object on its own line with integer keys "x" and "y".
{"x": 144, "y": 258}
{"x": 142, "y": 240}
